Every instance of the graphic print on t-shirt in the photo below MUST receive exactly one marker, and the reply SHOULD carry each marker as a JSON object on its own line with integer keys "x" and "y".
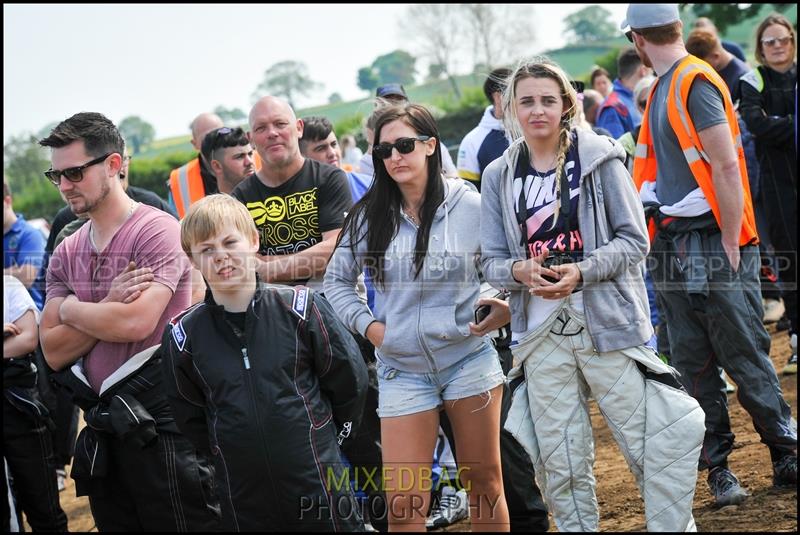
{"x": 287, "y": 224}
{"x": 541, "y": 201}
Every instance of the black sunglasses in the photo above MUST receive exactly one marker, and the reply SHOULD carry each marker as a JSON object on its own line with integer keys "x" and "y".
{"x": 404, "y": 145}
{"x": 629, "y": 35}
{"x": 73, "y": 174}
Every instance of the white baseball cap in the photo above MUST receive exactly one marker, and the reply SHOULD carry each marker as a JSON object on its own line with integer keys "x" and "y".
{"x": 641, "y": 16}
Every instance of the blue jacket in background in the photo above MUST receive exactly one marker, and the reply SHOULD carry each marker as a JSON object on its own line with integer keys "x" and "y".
{"x": 24, "y": 244}
{"x": 618, "y": 113}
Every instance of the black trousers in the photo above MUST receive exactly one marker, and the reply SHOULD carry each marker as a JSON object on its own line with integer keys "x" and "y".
{"x": 28, "y": 449}
{"x": 161, "y": 487}
{"x": 779, "y": 195}
{"x": 724, "y": 330}
{"x": 364, "y": 449}
{"x": 65, "y": 416}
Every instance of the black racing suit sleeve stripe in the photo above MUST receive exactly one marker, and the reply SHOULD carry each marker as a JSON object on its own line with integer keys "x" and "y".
{"x": 340, "y": 368}
{"x": 184, "y": 393}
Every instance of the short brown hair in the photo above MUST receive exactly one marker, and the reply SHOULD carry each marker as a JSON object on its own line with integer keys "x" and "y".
{"x": 662, "y": 35}
{"x": 598, "y": 71}
{"x": 98, "y": 133}
{"x": 207, "y": 216}
{"x": 628, "y": 61}
{"x": 702, "y": 43}
{"x": 774, "y": 18}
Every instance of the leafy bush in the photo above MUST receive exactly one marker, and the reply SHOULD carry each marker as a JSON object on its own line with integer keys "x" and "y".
{"x": 153, "y": 173}
{"x": 454, "y": 126}
{"x": 471, "y": 99}
{"x": 352, "y": 124}
{"x": 39, "y": 199}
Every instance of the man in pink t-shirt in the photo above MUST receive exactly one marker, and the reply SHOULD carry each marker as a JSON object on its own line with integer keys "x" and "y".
{"x": 111, "y": 289}
{"x": 151, "y": 239}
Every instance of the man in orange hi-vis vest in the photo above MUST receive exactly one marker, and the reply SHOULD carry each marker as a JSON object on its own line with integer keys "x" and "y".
{"x": 689, "y": 167}
{"x": 194, "y": 180}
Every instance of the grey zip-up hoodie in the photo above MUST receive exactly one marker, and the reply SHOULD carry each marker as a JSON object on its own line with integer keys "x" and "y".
{"x": 615, "y": 242}
{"x": 426, "y": 318}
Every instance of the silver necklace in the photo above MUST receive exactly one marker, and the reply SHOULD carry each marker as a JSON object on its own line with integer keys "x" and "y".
{"x": 131, "y": 207}
{"x": 549, "y": 167}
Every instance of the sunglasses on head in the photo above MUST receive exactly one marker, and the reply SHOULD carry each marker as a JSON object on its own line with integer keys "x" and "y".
{"x": 73, "y": 174}
{"x": 404, "y": 145}
{"x": 774, "y": 41}
{"x": 224, "y": 131}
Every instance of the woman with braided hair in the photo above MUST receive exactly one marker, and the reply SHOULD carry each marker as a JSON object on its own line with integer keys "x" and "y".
{"x": 563, "y": 229}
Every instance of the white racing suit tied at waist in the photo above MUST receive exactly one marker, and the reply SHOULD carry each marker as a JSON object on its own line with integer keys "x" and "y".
{"x": 658, "y": 426}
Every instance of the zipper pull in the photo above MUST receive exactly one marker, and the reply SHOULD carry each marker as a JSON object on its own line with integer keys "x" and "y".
{"x": 246, "y": 360}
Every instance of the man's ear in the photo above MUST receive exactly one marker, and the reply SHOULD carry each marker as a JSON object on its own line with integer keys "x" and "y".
{"x": 216, "y": 167}
{"x": 114, "y": 163}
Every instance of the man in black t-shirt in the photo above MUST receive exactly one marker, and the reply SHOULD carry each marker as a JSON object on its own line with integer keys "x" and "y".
{"x": 297, "y": 204}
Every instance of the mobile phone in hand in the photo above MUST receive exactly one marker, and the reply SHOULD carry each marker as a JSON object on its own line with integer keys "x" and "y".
{"x": 481, "y": 312}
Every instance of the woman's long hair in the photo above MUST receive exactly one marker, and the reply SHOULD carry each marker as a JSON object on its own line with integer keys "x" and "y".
{"x": 376, "y": 216}
{"x": 542, "y": 67}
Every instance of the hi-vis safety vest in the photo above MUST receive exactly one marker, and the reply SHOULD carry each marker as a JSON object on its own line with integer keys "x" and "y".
{"x": 645, "y": 165}
{"x": 186, "y": 184}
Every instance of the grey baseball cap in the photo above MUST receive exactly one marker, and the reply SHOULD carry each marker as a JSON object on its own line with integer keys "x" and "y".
{"x": 641, "y": 16}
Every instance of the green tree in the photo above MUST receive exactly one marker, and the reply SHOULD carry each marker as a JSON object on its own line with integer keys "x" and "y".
{"x": 395, "y": 67}
{"x": 24, "y": 161}
{"x": 589, "y": 25}
{"x": 726, "y": 15}
{"x": 137, "y": 132}
{"x": 435, "y": 72}
{"x": 231, "y": 115}
{"x": 335, "y": 98}
{"x": 609, "y": 62}
{"x": 367, "y": 79}
{"x": 288, "y": 79}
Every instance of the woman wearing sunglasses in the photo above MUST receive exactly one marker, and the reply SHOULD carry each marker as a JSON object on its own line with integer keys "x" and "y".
{"x": 768, "y": 106}
{"x": 417, "y": 235}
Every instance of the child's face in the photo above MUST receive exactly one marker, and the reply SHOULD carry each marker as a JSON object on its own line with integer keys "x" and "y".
{"x": 227, "y": 259}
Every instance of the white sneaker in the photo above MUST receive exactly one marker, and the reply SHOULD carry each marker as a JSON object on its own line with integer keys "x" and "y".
{"x": 61, "y": 479}
{"x": 730, "y": 388}
{"x": 453, "y": 506}
{"x": 791, "y": 366}
{"x": 773, "y": 310}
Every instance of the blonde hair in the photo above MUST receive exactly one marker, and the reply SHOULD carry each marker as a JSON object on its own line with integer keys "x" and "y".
{"x": 543, "y": 67}
{"x": 207, "y": 216}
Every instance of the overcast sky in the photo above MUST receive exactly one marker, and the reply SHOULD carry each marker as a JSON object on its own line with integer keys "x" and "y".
{"x": 167, "y": 63}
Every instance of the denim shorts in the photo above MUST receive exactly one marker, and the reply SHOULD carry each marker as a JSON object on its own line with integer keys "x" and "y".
{"x": 402, "y": 393}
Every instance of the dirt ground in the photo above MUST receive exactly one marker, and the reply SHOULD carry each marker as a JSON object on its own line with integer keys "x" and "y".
{"x": 621, "y": 509}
